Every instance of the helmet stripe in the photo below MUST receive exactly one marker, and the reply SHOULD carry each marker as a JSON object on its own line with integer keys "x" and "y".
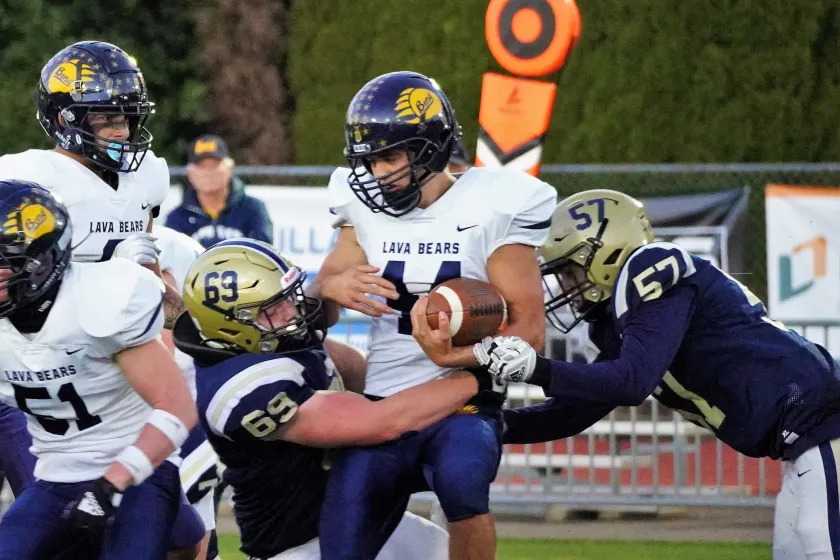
{"x": 255, "y": 246}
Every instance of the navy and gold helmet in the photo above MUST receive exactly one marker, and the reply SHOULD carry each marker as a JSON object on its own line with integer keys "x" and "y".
{"x": 230, "y": 289}
{"x": 398, "y": 111}
{"x": 95, "y": 77}
{"x": 34, "y": 242}
{"x": 592, "y": 235}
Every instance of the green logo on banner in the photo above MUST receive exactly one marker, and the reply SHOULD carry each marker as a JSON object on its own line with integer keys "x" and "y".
{"x": 787, "y": 289}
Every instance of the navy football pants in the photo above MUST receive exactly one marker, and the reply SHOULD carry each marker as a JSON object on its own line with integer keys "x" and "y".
{"x": 33, "y": 527}
{"x": 369, "y": 487}
{"x": 15, "y": 460}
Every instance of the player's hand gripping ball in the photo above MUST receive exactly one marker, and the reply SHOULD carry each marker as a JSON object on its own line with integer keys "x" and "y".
{"x": 475, "y": 309}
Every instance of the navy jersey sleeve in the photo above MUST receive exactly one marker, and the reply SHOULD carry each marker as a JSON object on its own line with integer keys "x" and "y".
{"x": 553, "y": 419}
{"x": 257, "y": 400}
{"x": 648, "y": 274}
{"x": 650, "y": 337}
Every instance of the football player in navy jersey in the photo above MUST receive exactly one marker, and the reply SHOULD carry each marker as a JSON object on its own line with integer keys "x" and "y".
{"x": 675, "y": 326}
{"x": 270, "y": 402}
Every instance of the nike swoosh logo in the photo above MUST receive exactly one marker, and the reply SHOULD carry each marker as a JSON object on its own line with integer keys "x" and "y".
{"x": 145, "y": 205}
{"x": 459, "y": 228}
{"x": 71, "y": 352}
{"x": 801, "y": 474}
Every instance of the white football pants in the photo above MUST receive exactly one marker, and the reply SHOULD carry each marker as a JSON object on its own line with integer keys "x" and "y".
{"x": 414, "y": 538}
{"x": 807, "y": 518}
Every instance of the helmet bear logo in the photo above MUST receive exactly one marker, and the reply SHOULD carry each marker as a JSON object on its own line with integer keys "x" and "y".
{"x": 33, "y": 220}
{"x": 70, "y": 76}
{"x": 416, "y": 105}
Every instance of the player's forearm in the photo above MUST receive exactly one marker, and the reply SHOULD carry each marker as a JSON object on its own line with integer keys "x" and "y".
{"x": 527, "y": 325}
{"x": 153, "y": 374}
{"x": 421, "y": 406}
{"x": 330, "y": 308}
{"x": 173, "y": 304}
{"x": 153, "y": 444}
{"x": 550, "y": 420}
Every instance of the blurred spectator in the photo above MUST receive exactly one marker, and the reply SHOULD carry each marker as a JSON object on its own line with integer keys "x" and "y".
{"x": 215, "y": 206}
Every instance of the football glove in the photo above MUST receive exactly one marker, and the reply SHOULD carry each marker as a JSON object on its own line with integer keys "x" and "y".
{"x": 94, "y": 510}
{"x": 138, "y": 247}
{"x": 509, "y": 359}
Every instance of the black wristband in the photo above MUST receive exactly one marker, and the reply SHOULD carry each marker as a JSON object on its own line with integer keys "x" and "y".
{"x": 542, "y": 373}
{"x": 482, "y": 375}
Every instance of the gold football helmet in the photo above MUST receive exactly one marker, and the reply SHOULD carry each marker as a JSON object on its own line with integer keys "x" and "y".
{"x": 592, "y": 234}
{"x": 243, "y": 295}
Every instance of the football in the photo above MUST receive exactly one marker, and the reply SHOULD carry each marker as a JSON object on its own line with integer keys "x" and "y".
{"x": 475, "y": 309}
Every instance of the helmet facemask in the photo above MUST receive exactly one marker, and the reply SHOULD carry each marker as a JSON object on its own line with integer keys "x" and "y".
{"x": 115, "y": 155}
{"x": 379, "y": 194}
{"x": 571, "y": 295}
{"x": 296, "y": 331}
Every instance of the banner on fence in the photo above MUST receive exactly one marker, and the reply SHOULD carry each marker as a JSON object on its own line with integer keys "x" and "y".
{"x": 803, "y": 252}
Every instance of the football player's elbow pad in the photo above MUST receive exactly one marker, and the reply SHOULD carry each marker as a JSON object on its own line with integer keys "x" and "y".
{"x": 171, "y": 426}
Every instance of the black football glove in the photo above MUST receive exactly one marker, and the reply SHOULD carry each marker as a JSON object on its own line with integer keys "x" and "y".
{"x": 94, "y": 510}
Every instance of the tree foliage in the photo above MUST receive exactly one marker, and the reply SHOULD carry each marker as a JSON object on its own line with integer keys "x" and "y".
{"x": 243, "y": 54}
{"x": 650, "y": 81}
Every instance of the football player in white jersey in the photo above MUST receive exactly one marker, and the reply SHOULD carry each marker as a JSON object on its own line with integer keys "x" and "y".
{"x": 92, "y": 102}
{"x": 407, "y": 226}
{"x": 105, "y": 403}
{"x": 269, "y": 399}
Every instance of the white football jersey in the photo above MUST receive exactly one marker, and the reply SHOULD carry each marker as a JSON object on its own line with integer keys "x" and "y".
{"x": 177, "y": 253}
{"x": 81, "y": 411}
{"x": 454, "y": 237}
{"x": 101, "y": 216}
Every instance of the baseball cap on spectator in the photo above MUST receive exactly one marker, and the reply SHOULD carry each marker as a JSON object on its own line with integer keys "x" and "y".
{"x": 207, "y": 146}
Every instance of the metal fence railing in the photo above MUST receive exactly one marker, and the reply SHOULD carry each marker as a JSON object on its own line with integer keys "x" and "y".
{"x": 646, "y": 455}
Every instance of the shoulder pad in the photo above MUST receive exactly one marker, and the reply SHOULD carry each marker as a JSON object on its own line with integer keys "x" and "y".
{"x": 513, "y": 192}
{"x": 30, "y": 165}
{"x": 131, "y": 290}
{"x": 340, "y": 196}
{"x": 272, "y": 388}
{"x": 520, "y": 205}
{"x": 153, "y": 173}
{"x": 650, "y": 271}
{"x": 177, "y": 252}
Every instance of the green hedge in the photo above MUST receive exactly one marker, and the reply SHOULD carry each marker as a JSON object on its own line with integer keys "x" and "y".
{"x": 157, "y": 33}
{"x": 650, "y": 81}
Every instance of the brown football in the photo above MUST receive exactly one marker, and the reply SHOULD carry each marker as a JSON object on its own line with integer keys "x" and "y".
{"x": 475, "y": 309}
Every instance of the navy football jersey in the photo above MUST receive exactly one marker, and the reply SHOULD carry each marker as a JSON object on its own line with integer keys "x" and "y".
{"x": 277, "y": 486}
{"x": 701, "y": 342}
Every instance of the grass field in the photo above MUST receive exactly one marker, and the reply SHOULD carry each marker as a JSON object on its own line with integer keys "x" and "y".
{"x": 518, "y": 549}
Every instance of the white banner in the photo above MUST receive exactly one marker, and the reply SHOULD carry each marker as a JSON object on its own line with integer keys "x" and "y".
{"x": 303, "y": 233}
{"x": 803, "y": 252}
{"x": 303, "y": 230}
